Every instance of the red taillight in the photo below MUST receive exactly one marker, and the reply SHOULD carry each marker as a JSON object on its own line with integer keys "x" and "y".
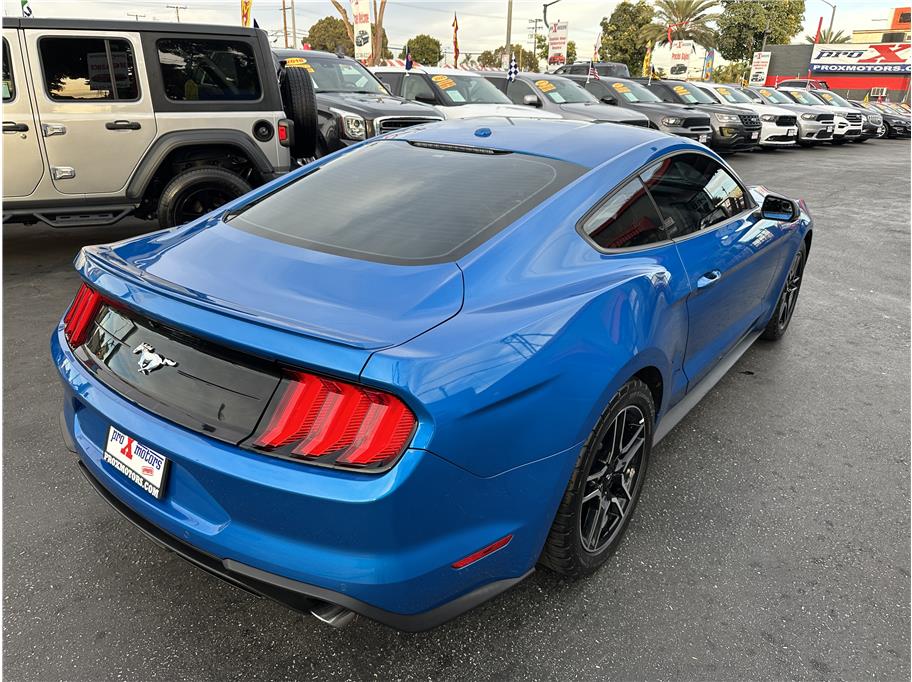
{"x": 328, "y": 421}
{"x": 286, "y": 132}
{"x": 78, "y": 320}
{"x": 482, "y": 553}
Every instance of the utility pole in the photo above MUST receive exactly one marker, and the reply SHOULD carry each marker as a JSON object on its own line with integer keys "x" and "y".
{"x": 284, "y": 23}
{"x": 832, "y": 15}
{"x": 294, "y": 27}
{"x": 177, "y": 10}
{"x": 134, "y": 14}
{"x": 766, "y": 31}
{"x": 534, "y": 24}
{"x": 507, "y": 46}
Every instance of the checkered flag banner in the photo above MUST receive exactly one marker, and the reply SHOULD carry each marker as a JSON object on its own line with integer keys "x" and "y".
{"x": 513, "y": 71}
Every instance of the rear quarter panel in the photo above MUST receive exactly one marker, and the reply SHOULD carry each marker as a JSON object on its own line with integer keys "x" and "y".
{"x": 549, "y": 330}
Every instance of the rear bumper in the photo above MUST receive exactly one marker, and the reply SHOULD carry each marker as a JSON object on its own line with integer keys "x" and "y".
{"x": 292, "y": 593}
{"x": 381, "y": 545}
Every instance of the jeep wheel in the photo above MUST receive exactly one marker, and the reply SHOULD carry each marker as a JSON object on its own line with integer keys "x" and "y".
{"x": 196, "y": 192}
{"x": 300, "y": 106}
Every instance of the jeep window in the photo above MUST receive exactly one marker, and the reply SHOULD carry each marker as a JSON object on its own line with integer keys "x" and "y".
{"x": 458, "y": 89}
{"x": 9, "y": 87}
{"x": 341, "y": 75}
{"x": 78, "y": 68}
{"x": 408, "y": 203}
{"x": 208, "y": 70}
{"x": 562, "y": 91}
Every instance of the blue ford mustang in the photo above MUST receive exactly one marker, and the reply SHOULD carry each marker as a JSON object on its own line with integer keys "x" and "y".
{"x": 394, "y": 381}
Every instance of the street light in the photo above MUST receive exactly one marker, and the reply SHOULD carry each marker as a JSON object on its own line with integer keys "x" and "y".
{"x": 832, "y": 14}
{"x": 545, "y": 10}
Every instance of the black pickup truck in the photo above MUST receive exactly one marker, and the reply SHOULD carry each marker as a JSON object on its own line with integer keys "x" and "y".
{"x": 352, "y": 105}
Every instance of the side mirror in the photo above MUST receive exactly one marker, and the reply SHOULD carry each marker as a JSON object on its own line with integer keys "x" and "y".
{"x": 532, "y": 101}
{"x": 608, "y": 100}
{"x": 779, "y": 208}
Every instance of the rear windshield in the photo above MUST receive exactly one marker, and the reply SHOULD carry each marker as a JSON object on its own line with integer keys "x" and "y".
{"x": 397, "y": 202}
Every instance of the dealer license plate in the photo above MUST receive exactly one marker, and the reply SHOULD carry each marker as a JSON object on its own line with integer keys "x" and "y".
{"x": 754, "y": 136}
{"x": 140, "y": 464}
{"x": 704, "y": 138}
{"x": 829, "y": 129}
{"x": 793, "y": 131}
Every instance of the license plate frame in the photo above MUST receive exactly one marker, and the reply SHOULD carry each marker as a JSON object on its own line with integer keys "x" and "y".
{"x": 138, "y": 463}
{"x": 703, "y": 139}
{"x": 755, "y": 135}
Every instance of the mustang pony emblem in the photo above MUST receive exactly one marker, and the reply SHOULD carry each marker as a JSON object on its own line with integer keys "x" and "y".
{"x": 150, "y": 361}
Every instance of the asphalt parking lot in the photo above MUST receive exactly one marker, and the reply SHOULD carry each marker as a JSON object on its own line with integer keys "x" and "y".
{"x": 771, "y": 542}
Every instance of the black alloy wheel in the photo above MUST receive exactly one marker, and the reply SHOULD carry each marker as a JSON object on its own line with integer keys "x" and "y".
{"x": 788, "y": 299}
{"x": 194, "y": 193}
{"x": 605, "y": 485}
{"x": 613, "y": 480}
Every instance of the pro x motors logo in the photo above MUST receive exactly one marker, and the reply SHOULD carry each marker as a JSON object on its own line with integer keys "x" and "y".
{"x": 865, "y": 58}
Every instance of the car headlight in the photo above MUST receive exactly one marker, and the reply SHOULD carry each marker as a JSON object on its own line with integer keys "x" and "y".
{"x": 353, "y": 126}
{"x": 809, "y": 117}
{"x": 672, "y": 121}
{"x": 727, "y": 118}
{"x": 875, "y": 120}
{"x": 769, "y": 118}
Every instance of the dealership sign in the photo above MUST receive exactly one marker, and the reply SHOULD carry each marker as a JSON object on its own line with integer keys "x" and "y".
{"x": 362, "y": 29}
{"x": 680, "y": 59}
{"x": 862, "y": 58}
{"x": 557, "y": 43}
{"x": 759, "y": 68}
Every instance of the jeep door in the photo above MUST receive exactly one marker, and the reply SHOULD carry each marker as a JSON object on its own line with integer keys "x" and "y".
{"x": 93, "y": 103}
{"x": 20, "y": 132}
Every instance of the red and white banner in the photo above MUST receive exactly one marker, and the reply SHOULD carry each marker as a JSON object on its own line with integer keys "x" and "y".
{"x": 362, "y": 26}
{"x": 557, "y": 43}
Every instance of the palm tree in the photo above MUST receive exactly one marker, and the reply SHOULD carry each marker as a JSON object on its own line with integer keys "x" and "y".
{"x": 688, "y": 19}
{"x": 827, "y": 37}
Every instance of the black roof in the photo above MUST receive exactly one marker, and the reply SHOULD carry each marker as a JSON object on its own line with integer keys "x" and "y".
{"x": 106, "y": 25}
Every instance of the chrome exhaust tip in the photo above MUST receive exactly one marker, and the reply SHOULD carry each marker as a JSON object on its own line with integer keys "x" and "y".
{"x": 333, "y": 614}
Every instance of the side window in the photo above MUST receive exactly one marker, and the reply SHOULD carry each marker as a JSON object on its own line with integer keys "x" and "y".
{"x": 600, "y": 91}
{"x": 693, "y": 192}
{"x": 9, "y": 86}
{"x": 627, "y": 218}
{"x": 208, "y": 70}
{"x": 88, "y": 69}
{"x": 415, "y": 86}
{"x": 390, "y": 80}
{"x": 516, "y": 90}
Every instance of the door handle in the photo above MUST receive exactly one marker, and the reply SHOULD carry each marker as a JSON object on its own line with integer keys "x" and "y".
{"x": 123, "y": 125}
{"x": 709, "y": 278}
{"x": 13, "y": 127}
{"x": 51, "y": 129}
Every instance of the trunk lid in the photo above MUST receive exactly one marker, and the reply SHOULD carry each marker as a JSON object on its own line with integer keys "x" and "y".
{"x": 360, "y": 304}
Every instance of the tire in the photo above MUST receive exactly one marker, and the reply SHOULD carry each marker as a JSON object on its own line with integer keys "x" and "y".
{"x": 569, "y": 549}
{"x": 198, "y": 191}
{"x": 788, "y": 298}
{"x": 300, "y": 104}
{"x": 885, "y": 133}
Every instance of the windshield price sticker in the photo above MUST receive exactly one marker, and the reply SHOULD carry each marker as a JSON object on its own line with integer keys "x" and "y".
{"x": 681, "y": 90}
{"x": 298, "y": 62}
{"x": 545, "y": 86}
{"x": 620, "y": 87}
{"x": 724, "y": 91}
{"x": 443, "y": 82}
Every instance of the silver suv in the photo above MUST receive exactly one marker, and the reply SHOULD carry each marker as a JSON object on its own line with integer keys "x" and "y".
{"x": 162, "y": 121}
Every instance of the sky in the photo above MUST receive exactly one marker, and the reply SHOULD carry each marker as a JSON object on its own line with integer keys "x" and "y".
{"x": 482, "y": 23}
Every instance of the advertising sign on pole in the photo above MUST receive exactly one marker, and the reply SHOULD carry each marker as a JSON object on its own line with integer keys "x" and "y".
{"x": 680, "y": 58}
{"x": 557, "y": 43}
{"x": 362, "y": 25}
{"x": 759, "y": 68}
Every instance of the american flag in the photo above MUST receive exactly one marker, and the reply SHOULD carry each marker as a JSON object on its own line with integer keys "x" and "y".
{"x": 513, "y": 71}
{"x": 593, "y": 73}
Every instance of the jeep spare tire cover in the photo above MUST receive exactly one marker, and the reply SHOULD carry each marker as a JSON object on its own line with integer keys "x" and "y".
{"x": 300, "y": 104}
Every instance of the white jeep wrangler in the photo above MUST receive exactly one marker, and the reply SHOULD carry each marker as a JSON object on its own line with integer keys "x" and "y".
{"x": 161, "y": 121}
